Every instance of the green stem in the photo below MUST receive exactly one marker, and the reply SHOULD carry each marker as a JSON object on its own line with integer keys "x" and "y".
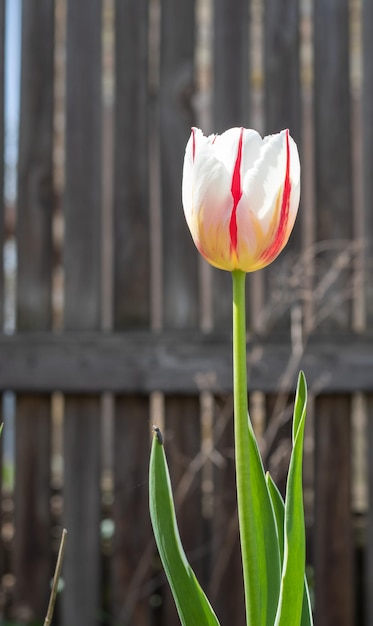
{"x": 241, "y": 428}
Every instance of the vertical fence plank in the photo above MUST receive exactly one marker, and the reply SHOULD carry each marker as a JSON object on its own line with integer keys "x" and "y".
{"x": 34, "y": 218}
{"x": 131, "y": 557}
{"x": 133, "y": 543}
{"x": 2, "y": 230}
{"x": 332, "y": 112}
{"x": 230, "y": 106}
{"x": 176, "y": 118}
{"x": 35, "y": 191}
{"x": 334, "y": 561}
{"x": 82, "y": 206}
{"x": 282, "y": 110}
{"x": 81, "y": 597}
{"x": 131, "y": 185}
{"x": 368, "y": 269}
{"x": 333, "y": 522}
{"x": 2, "y": 543}
{"x": 281, "y": 66}
{"x": 2, "y": 213}
{"x": 368, "y": 155}
{"x": 180, "y": 259}
{"x": 369, "y": 548}
{"x": 333, "y": 146}
{"x": 231, "y": 64}
{"x": 32, "y": 555}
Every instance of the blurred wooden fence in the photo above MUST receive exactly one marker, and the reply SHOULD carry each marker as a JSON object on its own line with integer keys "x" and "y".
{"x": 143, "y": 332}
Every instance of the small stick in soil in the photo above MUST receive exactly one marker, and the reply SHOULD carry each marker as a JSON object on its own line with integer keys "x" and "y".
{"x": 57, "y": 574}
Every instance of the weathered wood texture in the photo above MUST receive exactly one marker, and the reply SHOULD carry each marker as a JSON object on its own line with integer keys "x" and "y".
{"x": 333, "y": 147}
{"x": 334, "y": 545}
{"x": 368, "y": 152}
{"x": 282, "y": 67}
{"x": 82, "y": 208}
{"x": 34, "y": 211}
{"x": 133, "y": 546}
{"x": 282, "y": 104}
{"x": 35, "y": 189}
{"x": 131, "y": 182}
{"x": 157, "y": 282}
{"x": 231, "y": 64}
{"x": 180, "y": 264}
{"x": 176, "y": 117}
{"x": 368, "y": 574}
{"x": 2, "y": 547}
{"x": 333, "y": 522}
{"x": 183, "y": 363}
{"x": 2, "y": 130}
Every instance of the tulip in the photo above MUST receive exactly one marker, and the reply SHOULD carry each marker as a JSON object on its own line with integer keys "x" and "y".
{"x": 240, "y": 196}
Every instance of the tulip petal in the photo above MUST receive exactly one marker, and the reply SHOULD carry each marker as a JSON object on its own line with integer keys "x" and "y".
{"x": 263, "y": 182}
{"x": 271, "y": 194}
{"x": 225, "y": 148}
{"x": 208, "y": 205}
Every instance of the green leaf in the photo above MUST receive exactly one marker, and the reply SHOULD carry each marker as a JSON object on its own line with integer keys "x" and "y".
{"x": 265, "y": 565}
{"x": 292, "y": 606}
{"x": 279, "y": 508}
{"x": 192, "y": 605}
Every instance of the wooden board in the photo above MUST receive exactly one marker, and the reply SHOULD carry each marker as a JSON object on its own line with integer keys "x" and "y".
{"x": 133, "y": 546}
{"x": 177, "y": 363}
{"x": 2, "y": 546}
{"x": 82, "y": 262}
{"x": 180, "y": 258}
{"x": 369, "y": 547}
{"x": 32, "y": 556}
{"x": 281, "y": 67}
{"x": 131, "y": 167}
{"x": 333, "y": 523}
{"x": 333, "y": 149}
{"x": 81, "y": 572}
{"x": 334, "y": 560}
{"x": 231, "y": 65}
{"x": 2, "y": 212}
{"x": 367, "y": 121}
{"x": 176, "y": 117}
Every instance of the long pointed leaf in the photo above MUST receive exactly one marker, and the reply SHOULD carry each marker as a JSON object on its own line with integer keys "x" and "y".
{"x": 279, "y": 508}
{"x": 192, "y": 605}
{"x": 265, "y": 565}
{"x": 290, "y": 605}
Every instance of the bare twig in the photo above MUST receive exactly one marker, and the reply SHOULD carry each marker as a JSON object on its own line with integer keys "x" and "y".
{"x": 57, "y": 573}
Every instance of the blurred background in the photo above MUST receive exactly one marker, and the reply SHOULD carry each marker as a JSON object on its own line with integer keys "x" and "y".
{"x": 112, "y": 322}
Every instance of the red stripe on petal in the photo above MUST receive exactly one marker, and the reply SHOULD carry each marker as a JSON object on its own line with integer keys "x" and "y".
{"x": 193, "y": 144}
{"x": 274, "y": 249}
{"x": 236, "y": 191}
